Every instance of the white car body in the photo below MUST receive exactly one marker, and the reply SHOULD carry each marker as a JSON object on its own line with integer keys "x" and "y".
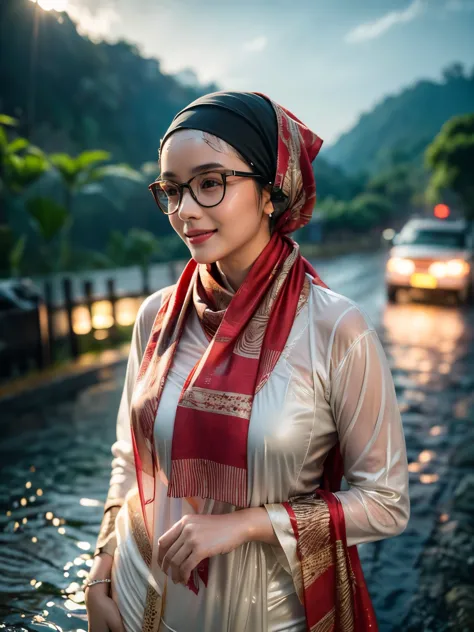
{"x": 447, "y": 263}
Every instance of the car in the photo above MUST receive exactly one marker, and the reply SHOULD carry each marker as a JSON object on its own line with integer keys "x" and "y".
{"x": 432, "y": 255}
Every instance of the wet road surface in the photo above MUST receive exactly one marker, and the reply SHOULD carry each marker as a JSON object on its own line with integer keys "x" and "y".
{"x": 55, "y": 462}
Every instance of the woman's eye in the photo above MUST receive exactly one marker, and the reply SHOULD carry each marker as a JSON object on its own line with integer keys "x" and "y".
{"x": 171, "y": 191}
{"x": 209, "y": 183}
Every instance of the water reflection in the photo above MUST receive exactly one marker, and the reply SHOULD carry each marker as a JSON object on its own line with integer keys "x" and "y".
{"x": 424, "y": 327}
{"x": 48, "y": 537}
{"x": 430, "y": 352}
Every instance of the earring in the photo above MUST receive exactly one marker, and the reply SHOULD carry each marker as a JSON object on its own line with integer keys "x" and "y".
{"x": 270, "y": 215}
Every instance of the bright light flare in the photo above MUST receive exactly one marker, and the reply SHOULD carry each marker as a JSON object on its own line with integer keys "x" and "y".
{"x": 453, "y": 268}
{"x": 401, "y": 266}
{"x": 53, "y": 5}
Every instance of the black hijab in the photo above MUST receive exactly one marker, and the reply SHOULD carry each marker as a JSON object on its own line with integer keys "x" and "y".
{"x": 245, "y": 120}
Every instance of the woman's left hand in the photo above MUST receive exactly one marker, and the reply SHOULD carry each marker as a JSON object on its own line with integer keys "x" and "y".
{"x": 196, "y": 537}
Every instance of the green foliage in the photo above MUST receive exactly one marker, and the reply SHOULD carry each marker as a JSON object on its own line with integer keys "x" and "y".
{"x": 49, "y": 217}
{"x": 138, "y": 247}
{"x": 106, "y": 95}
{"x": 122, "y": 171}
{"x": 364, "y": 213}
{"x": 402, "y": 184}
{"x": 331, "y": 180}
{"x": 117, "y": 249}
{"x": 16, "y": 256}
{"x": 81, "y": 170}
{"x": 451, "y": 158}
{"x": 21, "y": 163}
{"x": 8, "y": 121}
{"x": 20, "y": 172}
{"x": 404, "y": 124}
{"x": 88, "y": 95}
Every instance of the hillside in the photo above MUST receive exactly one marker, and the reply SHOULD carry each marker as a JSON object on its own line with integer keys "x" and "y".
{"x": 401, "y": 126}
{"x": 107, "y": 96}
{"x": 87, "y": 95}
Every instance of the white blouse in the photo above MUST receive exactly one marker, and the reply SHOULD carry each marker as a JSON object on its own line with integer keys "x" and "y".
{"x": 331, "y": 382}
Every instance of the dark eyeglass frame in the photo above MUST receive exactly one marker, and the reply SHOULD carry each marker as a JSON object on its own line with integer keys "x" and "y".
{"x": 230, "y": 172}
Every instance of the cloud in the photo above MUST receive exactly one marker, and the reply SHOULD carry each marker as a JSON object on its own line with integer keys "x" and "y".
{"x": 377, "y": 28}
{"x": 96, "y": 23}
{"x": 256, "y": 45}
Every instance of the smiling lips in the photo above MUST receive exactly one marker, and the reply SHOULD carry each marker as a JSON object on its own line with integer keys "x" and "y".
{"x": 199, "y": 236}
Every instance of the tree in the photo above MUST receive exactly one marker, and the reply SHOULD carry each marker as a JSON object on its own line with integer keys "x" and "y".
{"x": 450, "y": 157}
{"x": 49, "y": 219}
{"x": 21, "y": 164}
{"x": 453, "y": 72}
{"x": 364, "y": 213}
{"x": 83, "y": 174}
{"x": 138, "y": 247}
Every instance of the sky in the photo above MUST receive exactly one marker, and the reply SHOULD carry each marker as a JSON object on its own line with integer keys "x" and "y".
{"x": 328, "y": 61}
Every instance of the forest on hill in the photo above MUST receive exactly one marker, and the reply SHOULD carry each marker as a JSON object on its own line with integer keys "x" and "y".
{"x": 401, "y": 126}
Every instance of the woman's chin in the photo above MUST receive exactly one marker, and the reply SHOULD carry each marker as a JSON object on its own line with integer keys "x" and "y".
{"x": 204, "y": 256}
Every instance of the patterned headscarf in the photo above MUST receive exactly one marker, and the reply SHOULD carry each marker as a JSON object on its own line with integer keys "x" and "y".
{"x": 271, "y": 139}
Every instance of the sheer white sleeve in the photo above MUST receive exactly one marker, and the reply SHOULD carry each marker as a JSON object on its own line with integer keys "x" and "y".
{"x": 123, "y": 475}
{"x": 362, "y": 397}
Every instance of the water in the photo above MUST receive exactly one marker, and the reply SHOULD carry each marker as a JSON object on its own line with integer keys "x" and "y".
{"x": 55, "y": 463}
{"x": 55, "y": 470}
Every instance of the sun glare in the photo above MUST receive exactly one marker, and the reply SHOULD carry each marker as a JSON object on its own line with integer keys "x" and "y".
{"x": 53, "y": 5}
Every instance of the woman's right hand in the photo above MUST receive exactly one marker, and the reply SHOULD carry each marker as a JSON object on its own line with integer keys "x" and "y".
{"x": 102, "y": 612}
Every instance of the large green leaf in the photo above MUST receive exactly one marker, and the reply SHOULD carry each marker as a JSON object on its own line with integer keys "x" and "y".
{"x": 67, "y": 167}
{"x": 17, "y": 145}
{"x": 21, "y": 171}
{"x": 33, "y": 150}
{"x": 32, "y": 168}
{"x": 3, "y": 141}
{"x": 122, "y": 171}
{"x": 8, "y": 120}
{"x": 48, "y": 216}
{"x": 88, "y": 159}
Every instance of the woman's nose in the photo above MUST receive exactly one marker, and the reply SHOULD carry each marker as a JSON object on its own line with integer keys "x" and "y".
{"x": 188, "y": 208}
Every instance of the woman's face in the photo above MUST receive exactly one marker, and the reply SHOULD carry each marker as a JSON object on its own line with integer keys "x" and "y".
{"x": 239, "y": 224}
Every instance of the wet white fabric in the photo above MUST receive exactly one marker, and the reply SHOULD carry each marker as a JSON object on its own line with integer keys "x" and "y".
{"x": 331, "y": 381}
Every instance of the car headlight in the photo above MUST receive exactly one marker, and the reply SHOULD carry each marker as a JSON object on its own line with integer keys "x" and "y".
{"x": 438, "y": 269}
{"x": 401, "y": 266}
{"x": 453, "y": 268}
{"x": 458, "y": 267}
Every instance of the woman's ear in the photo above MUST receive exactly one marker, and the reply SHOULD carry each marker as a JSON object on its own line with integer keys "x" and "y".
{"x": 267, "y": 204}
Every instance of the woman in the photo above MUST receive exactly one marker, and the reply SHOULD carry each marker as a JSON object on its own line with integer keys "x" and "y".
{"x": 251, "y": 388}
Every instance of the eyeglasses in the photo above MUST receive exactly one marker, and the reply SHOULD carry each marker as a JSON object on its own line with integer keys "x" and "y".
{"x": 207, "y": 189}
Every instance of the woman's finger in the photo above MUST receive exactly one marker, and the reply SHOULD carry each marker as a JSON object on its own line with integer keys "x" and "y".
{"x": 167, "y": 540}
{"x": 171, "y": 553}
{"x": 188, "y": 565}
{"x": 176, "y": 563}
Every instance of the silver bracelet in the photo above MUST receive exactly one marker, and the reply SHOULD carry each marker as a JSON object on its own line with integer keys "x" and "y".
{"x": 91, "y": 582}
